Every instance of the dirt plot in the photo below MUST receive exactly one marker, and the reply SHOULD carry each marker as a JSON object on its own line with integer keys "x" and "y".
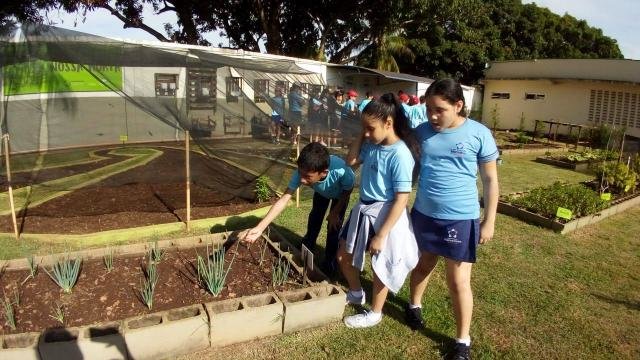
{"x": 146, "y": 195}
{"x": 101, "y": 297}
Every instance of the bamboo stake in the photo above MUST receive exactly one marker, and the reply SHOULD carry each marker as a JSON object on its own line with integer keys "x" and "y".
{"x": 5, "y": 139}
{"x": 297, "y": 155}
{"x": 188, "y": 180}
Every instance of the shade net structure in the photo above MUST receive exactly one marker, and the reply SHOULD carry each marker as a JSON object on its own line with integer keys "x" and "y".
{"x": 96, "y": 129}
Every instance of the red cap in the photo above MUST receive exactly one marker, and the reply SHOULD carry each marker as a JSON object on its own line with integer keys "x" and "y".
{"x": 414, "y": 100}
{"x": 352, "y": 93}
{"x": 404, "y": 97}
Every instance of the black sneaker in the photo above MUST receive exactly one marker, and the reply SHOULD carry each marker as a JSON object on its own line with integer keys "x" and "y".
{"x": 459, "y": 352}
{"x": 414, "y": 318}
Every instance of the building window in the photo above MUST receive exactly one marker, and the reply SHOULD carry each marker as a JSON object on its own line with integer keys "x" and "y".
{"x": 234, "y": 88}
{"x": 202, "y": 89}
{"x": 614, "y": 108}
{"x": 533, "y": 96}
{"x": 500, "y": 95}
{"x": 166, "y": 84}
{"x": 283, "y": 86}
{"x": 260, "y": 90}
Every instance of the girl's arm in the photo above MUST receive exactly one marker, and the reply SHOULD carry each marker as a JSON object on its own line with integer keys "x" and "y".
{"x": 490, "y": 194}
{"x": 354, "y": 152}
{"x": 399, "y": 205}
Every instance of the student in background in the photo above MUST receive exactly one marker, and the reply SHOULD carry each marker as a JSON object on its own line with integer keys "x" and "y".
{"x": 365, "y": 101}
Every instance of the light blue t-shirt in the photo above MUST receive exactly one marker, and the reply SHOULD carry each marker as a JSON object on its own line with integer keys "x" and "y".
{"x": 277, "y": 107}
{"x": 363, "y": 104}
{"x": 418, "y": 115}
{"x": 340, "y": 178}
{"x": 295, "y": 101}
{"x": 448, "y": 169}
{"x": 386, "y": 170}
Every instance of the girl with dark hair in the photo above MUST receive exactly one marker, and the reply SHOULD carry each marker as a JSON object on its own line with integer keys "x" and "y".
{"x": 446, "y": 213}
{"x": 379, "y": 223}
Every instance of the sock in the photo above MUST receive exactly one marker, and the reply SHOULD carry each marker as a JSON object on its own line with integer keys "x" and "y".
{"x": 411, "y": 306}
{"x": 466, "y": 341}
{"x": 357, "y": 293}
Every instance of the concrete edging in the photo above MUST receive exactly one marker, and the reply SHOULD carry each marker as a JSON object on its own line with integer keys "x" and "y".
{"x": 246, "y": 318}
{"x": 312, "y": 307}
{"x": 563, "y": 228}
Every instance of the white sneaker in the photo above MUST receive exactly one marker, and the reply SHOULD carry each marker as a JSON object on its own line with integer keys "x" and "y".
{"x": 368, "y": 319}
{"x": 354, "y": 299}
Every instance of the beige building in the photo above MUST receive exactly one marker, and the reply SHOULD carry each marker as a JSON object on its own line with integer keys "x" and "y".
{"x": 578, "y": 91}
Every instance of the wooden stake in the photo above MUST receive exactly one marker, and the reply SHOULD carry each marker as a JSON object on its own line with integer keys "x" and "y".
{"x": 188, "y": 180}
{"x": 297, "y": 155}
{"x": 5, "y": 141}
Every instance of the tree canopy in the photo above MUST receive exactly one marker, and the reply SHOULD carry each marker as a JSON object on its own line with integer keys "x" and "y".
{"x": 430, "y": 38}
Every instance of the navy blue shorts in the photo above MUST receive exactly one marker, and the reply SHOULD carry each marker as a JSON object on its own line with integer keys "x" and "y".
{"x": 453, "y": 239}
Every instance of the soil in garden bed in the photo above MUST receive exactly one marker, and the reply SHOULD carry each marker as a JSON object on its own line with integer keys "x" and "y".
{"x": 146, "y": 195}
{"x": 100, "y": 296}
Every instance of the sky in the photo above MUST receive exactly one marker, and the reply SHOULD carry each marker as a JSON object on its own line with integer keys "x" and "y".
{"x": 618, "y": 19}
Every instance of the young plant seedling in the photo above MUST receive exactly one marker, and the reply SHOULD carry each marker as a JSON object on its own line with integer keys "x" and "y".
{"x": 65, "y": 273}
{"x": 156, "y": 253}
{"x": 57, "y": 313}
{"x": 33, "y": 268}
{"x": 148, "y": 285}
{"x": 211, "y": 274}
{"x": 108, "y": 259}
{"x": 9, "y": 315}
{"x": 280, "y": 272}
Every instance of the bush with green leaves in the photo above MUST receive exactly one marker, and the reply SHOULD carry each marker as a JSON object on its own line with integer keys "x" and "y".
{"x": 65, "y": 273}
{"x": 617, "y": 177}
{"x": 262, "y": 190}
{"x": 211, "y": 273}
{"x": 592, "y": 155}
{"x": 546, "y": 200}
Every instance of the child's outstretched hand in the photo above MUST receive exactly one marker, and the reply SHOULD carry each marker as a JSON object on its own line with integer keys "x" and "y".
{"x": 250, "y": 235}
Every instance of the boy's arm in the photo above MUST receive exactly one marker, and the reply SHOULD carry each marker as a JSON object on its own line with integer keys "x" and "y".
{"x": 253, "y": 234}
{"x": 399, "y": 205}
{"x": 490, "y": 194}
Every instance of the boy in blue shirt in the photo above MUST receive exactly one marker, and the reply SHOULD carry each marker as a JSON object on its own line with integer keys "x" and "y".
{"x": 332, "y": 181}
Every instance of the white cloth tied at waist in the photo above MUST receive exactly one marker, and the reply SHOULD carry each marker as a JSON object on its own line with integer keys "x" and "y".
{"x": 400, "y": 253}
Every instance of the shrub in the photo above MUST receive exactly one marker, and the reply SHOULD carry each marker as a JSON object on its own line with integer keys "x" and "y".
{"x": 262, "y": 190}
{"x": 546, "y": 200}
{"x": 617, "y": 177}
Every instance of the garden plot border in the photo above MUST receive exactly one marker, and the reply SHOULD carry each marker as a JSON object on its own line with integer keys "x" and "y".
{"x": 577, "y": 166}
{"x": 617, "y": 206}
{"x": 533, "y": 151}
{"x": 186, "y": 329}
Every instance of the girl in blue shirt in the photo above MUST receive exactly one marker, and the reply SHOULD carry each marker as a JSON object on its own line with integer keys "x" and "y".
{"x": 379, "y": 223}
{"x": 446, "y": 213}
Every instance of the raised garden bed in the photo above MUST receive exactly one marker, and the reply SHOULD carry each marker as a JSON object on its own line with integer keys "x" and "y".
{"x": 142, "y": 194}
{"x": 581, "y": 166}
{"x": 104, "y": 316}
{"x": 616, "y": 205}
{"x": 579, "y": 161}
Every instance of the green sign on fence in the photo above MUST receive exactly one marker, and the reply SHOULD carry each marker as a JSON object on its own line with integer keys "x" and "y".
{"x": 40, "y": 76}
{"x": 564, "y": 213}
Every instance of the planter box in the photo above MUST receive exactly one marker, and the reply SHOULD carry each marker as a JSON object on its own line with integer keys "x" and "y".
{"x": 243, "y": 319}
{"x": 19, "y": 346}
{"x": 312, "y": 307}
{"x": 104, "y": 341}
{"x": 168, "y": 333}
{"x": 577, "y": 166}
{"x": 563, "y": 228}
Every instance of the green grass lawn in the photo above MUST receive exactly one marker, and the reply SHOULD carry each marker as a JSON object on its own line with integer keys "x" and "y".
{"x": 538, "y": 294}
